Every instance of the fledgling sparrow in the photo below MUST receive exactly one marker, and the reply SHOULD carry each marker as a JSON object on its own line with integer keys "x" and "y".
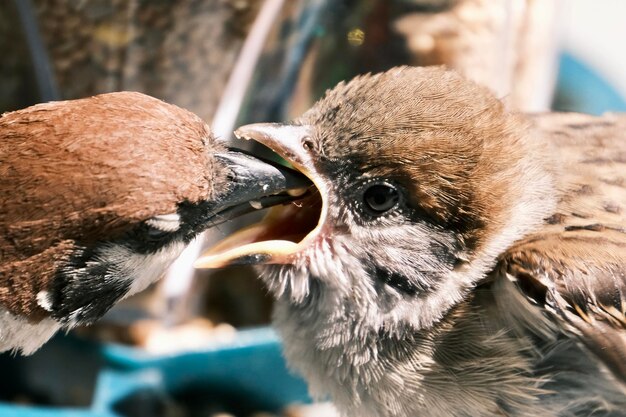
{"x": 98, "y": 196}
{"x": 458, "y": 260}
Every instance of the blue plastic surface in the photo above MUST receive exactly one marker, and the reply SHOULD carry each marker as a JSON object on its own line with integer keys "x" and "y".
{"x": 248, "y": 373}
{"x": 580, "y": 89}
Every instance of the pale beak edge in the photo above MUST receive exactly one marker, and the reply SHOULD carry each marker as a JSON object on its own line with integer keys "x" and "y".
{"x": 247, "y": 245}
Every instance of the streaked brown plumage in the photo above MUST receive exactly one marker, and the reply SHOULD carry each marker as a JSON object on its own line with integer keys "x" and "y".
{"x": 468, "y": 261}
{"x": 98, "y": 196}
{"x": 576, "y": 263}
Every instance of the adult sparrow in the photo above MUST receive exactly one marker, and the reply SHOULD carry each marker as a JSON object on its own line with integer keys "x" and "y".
{"x": 98, "y": 196}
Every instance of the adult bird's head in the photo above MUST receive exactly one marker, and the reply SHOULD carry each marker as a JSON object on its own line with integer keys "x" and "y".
{"x": 98, "y": 196}
{"x": 423, "y": 178}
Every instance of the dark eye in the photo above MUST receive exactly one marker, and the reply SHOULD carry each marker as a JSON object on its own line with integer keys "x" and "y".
{"x": 381, "y": 197}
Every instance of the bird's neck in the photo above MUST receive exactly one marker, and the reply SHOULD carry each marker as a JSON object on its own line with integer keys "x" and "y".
{"x": 437, "y": 370}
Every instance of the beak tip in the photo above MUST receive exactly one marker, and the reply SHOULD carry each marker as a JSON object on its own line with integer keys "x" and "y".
{"x": 216, "y": 262}
{"x": 209, "y": 262}
{"x": 239, "y": 134}
{"x": 200, "y": 263}
{"x": 254, "y": 131}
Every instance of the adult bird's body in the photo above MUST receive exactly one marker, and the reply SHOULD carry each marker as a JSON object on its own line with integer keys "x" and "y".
{"x": 98, "y": 196}
{"x": 467, "y": 261}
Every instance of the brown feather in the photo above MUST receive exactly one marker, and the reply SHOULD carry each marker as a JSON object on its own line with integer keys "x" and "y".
{"x": 439, "y": 136}
{"x": 576, "y": 263}
{"x": 87, "y": 170}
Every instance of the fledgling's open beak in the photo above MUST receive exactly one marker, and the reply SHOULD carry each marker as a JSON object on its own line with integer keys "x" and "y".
{"x": 286, "y": 229}
{"x": 254, "y": 184}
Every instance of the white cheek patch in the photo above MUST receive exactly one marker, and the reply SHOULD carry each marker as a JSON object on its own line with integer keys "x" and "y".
{"x": 18, "y": 334}
{"x": 141, "y": 269}
{"x": 165, "y": 222}
{"x": 43, "y": 300}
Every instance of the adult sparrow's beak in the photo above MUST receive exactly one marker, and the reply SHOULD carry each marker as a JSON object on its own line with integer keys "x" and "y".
{"x": 254, "y": 184}
{"x": 286, "y": 229}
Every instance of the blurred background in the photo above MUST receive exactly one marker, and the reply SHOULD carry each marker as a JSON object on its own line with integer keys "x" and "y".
{"x": 197, "y": 344}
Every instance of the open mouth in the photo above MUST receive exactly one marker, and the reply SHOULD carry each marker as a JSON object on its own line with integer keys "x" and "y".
{"x": 286, "y": 229}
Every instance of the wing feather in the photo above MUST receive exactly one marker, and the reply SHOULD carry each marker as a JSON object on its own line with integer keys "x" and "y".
{"x": 575, "y": 266}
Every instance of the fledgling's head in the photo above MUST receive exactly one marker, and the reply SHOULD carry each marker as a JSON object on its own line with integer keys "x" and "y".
{"x": 98, "y": 196}
{"x": 423, "y": 179}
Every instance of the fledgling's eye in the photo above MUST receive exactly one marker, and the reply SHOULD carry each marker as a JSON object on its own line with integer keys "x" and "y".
{"x": 380, "y": 198}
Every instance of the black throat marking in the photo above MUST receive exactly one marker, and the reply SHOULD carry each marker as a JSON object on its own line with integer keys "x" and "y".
{"x": 85, "y": 289}
{"x": 399, "y": 281}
